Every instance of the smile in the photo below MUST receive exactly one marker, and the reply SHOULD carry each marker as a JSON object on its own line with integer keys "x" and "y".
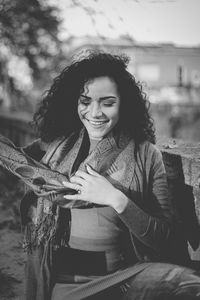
{"x": 97, "y": 123}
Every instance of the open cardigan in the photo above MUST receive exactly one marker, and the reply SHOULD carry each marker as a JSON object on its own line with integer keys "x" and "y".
{"x": 141, "y": 176}
{"x": 149, "y": 215}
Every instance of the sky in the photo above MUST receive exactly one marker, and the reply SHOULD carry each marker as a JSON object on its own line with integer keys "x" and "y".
{"x": 162, "y": 21}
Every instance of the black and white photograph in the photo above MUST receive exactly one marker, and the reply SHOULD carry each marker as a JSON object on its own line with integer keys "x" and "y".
{"x": 99, "y": 149}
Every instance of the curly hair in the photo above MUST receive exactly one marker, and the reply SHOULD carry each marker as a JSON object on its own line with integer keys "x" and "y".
{"x": 57, "y": 114}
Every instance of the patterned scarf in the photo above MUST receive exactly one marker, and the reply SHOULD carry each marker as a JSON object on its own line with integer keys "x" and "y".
{"x": 113, "y": 157}
{"x": 45, "y": 181}
{"x": 60, "y": 162}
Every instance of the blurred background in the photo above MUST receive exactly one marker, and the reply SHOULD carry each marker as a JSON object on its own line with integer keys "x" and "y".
{"x": 162, "y": 38}
{"x": 37, "y": 40}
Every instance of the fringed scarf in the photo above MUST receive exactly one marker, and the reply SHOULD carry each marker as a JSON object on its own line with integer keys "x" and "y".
{"x": 113, "y": 158}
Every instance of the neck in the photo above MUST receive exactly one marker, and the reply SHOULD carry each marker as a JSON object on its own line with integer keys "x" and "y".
{"x": 93, "y": 143}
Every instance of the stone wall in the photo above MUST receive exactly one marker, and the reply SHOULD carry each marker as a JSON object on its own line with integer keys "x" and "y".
{"x": 182, "y": 162}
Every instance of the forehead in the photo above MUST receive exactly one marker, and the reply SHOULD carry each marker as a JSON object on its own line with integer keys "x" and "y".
{"x": 101, "y": 85}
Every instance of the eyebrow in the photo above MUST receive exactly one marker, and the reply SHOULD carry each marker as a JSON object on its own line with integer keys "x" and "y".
{"x": 101, "y": 98}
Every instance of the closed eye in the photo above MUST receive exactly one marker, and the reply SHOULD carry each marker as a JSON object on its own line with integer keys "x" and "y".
{"x": 84, "y": 101}
{"x": 108, "y": 104}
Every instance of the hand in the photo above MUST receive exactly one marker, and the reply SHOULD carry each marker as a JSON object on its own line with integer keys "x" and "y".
{"x": 95, "y": 188}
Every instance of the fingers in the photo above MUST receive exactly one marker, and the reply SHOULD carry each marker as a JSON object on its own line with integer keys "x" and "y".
{"x": 73, "y": 197}
{"x": 70, "y": 185}
{"x": 83, "y": 175}
{"x": 70, "y": 198}
{"x": 77, "y": 180}
{"x": 92, "y": 171}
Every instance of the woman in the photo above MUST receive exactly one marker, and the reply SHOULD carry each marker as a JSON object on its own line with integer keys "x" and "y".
{"x": 95, "y": 128}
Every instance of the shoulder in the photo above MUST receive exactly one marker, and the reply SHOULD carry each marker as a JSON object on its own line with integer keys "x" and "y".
{"x": 149, "y": 150}
{"x": 149, "y": 156}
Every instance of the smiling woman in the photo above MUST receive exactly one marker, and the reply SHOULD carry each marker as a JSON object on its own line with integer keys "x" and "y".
{"x": 95, "y": 129}
{"x": 98, "y": 107}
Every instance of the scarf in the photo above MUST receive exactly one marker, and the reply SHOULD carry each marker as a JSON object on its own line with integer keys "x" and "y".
{"x": 44, "y": 179}
{"x": 113, "y": 157}
{"x": 38, "y": 176}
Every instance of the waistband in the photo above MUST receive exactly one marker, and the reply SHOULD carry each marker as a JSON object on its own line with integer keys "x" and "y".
{"x": 73, "y": 261}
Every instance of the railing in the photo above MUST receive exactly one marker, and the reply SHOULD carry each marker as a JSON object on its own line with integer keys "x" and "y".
{"x": 182, "y": 162}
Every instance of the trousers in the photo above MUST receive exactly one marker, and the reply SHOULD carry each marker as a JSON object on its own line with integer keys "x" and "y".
{"x": 159, "y": 281}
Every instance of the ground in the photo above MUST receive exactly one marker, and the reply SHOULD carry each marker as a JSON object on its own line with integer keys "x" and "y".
{"x": 12, "y": 256}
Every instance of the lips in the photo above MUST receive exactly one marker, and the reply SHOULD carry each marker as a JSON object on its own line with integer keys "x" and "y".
{"x": 97, "y": 123}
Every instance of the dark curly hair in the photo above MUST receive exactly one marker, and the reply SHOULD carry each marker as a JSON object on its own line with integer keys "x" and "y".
{"x": 57, "y": 114}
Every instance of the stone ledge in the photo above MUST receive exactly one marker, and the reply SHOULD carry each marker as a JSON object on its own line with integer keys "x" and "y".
{"x": 182, "y": 163}
{"x": 188, "y": 153}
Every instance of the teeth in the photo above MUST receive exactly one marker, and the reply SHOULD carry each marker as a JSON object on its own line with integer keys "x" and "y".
{"x": 97, "y": 122}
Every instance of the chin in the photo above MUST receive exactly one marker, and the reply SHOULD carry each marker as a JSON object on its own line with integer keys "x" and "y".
{"x": 96, "y": 136}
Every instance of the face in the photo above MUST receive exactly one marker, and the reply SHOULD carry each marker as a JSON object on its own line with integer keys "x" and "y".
{"x": 98, "y": 107}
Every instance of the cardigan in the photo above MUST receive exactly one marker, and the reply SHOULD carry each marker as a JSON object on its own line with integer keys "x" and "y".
{"x": 149, "y": 215}
{"x": 149, "y": 198}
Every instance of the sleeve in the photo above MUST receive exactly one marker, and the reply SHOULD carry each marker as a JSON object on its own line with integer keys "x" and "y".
{"x": 152, "y": 230}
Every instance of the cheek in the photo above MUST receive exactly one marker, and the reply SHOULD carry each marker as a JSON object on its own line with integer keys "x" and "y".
{"x": 81, "y": 110}
{"x": 115, "y": 116}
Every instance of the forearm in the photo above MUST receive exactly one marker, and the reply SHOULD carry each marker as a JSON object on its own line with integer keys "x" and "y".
{"x": 151, "y": 231}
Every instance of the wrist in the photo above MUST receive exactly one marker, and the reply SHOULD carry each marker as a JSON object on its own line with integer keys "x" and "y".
{"x": 120, "y": 202}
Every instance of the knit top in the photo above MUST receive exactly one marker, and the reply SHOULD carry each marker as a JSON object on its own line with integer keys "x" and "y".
{"x": 98, "y": 229}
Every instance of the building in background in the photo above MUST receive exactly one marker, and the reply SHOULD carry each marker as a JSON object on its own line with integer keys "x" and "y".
{"x": 169, "y": 73}
{"x": 157, "y": 65}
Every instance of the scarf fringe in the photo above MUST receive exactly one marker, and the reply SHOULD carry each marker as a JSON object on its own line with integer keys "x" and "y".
{"x": 53, "y": 227}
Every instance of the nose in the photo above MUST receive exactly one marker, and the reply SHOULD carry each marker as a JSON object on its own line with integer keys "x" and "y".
{"x": 95, "y": 110}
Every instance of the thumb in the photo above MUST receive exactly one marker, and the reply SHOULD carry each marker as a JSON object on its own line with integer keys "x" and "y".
{"x": 92, "y": 171}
